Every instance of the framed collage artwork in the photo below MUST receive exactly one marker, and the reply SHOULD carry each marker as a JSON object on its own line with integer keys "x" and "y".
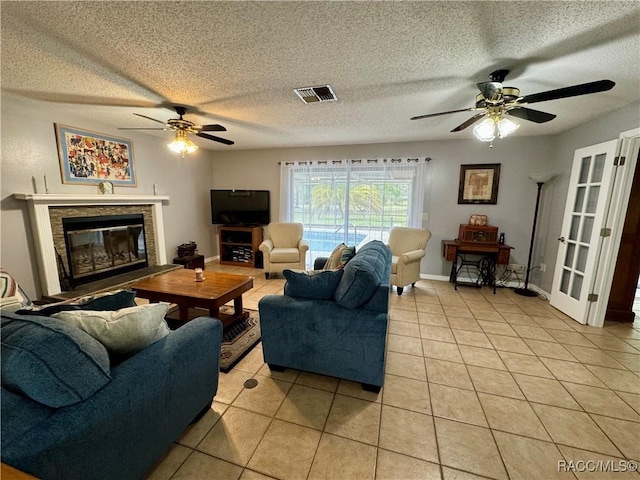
{"x": 90, "y": 158}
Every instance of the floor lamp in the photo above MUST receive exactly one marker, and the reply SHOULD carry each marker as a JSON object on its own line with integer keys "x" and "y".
{"x": 540, "y": 179}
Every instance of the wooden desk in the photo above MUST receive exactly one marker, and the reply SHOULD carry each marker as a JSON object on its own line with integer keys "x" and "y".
{"x": 492, "y": 254}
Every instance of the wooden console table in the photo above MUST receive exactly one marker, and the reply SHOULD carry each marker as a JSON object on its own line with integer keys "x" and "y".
{"x": 492, "y": 254}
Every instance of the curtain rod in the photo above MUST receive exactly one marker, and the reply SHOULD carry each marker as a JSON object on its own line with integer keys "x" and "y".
{"x": 373, "y": 160}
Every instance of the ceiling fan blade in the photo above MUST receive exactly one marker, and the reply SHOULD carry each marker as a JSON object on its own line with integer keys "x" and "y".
{"x": 211, "y": 128}
{"x": 469, "y": 122}
{"x": 535, "y": 116}
{"x": 148, "y": 118}
{"x": 443, "y": 113}
{"x": 573, "y": 91}
{"x": 492, "y": 91}
{"x": 137, "y": 128}
{"x": 215, "y": 139}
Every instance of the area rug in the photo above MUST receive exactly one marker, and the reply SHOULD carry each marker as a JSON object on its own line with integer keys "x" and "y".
{"x": 238, "y": 339}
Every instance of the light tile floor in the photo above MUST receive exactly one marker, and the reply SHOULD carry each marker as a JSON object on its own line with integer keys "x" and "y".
{"x": 477, "y": 386}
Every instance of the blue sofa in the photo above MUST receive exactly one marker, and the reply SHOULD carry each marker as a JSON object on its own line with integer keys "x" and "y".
{"x": 332, "y": 322}
{"x": 96, "y": 419}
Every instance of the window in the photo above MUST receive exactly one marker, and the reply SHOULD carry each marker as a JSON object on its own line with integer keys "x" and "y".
{"x": 352, "y": 201}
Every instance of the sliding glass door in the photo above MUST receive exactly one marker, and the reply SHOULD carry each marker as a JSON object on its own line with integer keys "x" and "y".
{"x": 351, "y": 201}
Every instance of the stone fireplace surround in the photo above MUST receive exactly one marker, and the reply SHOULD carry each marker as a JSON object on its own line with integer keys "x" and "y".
{"x": 47, "y": 210}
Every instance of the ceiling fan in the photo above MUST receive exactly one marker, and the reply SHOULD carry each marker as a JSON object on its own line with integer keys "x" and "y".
{"x": 182, "y": 127}
{"x": 496, "y": 103}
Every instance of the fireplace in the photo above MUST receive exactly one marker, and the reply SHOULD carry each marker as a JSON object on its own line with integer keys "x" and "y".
{"x": 102, "y": 246}
{"x": 47, "y": 211}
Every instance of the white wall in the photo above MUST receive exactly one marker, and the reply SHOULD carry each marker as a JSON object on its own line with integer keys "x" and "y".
{"x": 519, "y": 156}
{"x": 29, "y": 150}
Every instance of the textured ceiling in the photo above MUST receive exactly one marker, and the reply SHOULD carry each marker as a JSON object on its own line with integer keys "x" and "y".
{"x": 237, "y": 63}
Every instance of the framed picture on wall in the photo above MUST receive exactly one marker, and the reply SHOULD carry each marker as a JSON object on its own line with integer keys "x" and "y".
{"x": 479, "y": 184}
{"x": 91, "y": 158}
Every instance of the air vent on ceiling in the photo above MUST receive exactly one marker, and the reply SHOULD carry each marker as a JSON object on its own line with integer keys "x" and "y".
{"x": 322, "y": 93}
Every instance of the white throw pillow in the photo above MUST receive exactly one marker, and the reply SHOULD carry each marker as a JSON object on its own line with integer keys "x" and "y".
{"x": 125, "y": 331}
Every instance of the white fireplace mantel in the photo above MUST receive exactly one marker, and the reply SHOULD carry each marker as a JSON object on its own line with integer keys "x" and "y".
{"x": 57, "y": 199}
{"x": 43, "y": 236}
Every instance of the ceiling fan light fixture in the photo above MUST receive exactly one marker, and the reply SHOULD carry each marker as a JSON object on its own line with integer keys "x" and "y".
{"x": 485, "y": 131}
{"x": 506, "y": 127}
{"x": 497, "y": 101}
{"x": 190, "y": 147}
{"x": 181, "y": 144}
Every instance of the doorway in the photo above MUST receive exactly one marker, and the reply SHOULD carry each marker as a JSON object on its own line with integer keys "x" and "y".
{"x": 624, "y": 299}
{"x": 592, "y": 179}
{"x": 593, "y": 305}
{"x": 620, "y": 254}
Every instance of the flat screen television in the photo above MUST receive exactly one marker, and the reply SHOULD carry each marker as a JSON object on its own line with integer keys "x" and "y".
{"x": 240, "y": 207}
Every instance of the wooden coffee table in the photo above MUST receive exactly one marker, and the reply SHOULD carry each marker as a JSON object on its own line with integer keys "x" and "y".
{"x": 180, "y": 287}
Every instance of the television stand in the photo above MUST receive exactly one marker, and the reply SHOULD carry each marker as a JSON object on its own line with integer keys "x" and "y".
{"x": 239, "y": 246}
{"x": 241, "y": 225}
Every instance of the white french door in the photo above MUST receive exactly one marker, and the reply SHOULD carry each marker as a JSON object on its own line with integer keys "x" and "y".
{"x": 587, "y": 203}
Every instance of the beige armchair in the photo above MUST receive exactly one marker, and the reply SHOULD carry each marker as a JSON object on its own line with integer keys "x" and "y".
{"x": 407, "y": 247}
{"x": 284, "y": 248}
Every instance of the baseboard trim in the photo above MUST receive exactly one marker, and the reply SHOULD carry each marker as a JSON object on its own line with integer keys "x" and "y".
{"x": 509, "y": 284}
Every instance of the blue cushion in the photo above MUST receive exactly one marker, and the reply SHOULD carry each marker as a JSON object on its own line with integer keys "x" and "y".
{"x": 110, "y": 301}
{"x": 50, "y": 362}
{"x": 363, "y": 274}
{"x": 319, "y": 285}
